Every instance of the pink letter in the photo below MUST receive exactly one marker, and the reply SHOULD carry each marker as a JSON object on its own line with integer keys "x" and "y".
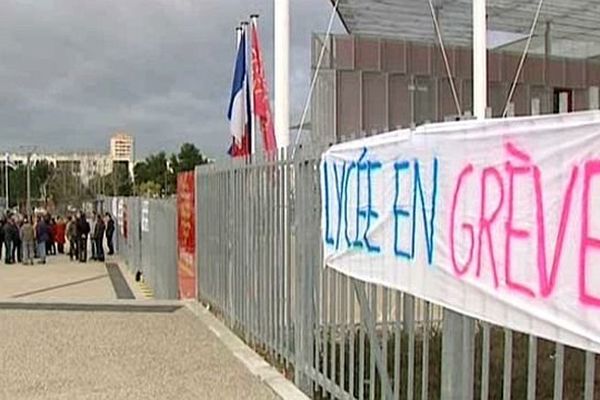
{"x": 591, "y": 168}
{"x": 460, "y": 270}
{"x": 511, "y": 231}
{"x": 547, "y": 284}
{"x": 485, "y": 223}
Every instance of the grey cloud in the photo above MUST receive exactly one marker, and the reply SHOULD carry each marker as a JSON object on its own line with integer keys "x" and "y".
{"x": 72, "y": 71}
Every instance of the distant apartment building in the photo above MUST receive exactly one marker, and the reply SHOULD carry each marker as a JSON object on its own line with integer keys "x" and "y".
{"x": 122, "y": 147}
{"x": 122, "y": 150}
{"x": 86, "y": 165}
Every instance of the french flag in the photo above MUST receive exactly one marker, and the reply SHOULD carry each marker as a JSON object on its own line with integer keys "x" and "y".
{"x": 240, "y": 112}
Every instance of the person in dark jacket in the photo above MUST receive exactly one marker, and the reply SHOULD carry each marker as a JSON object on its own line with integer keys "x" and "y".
{"x": 42, "y": 235}
{"x": 110, "y": 231}
{"x": 99, "y": 230}
{"x": 2, "y": 223}
{"x": 93, "y": 238}
{"x": 50, "y": 246}
{"x": 10, "y": 233}
{"x": 83, "y": 231}
{"x": 17, "y": 249}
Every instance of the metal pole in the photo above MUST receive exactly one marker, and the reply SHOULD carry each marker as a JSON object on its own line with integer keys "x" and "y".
{"x": 254, "y": 22}
{"x": 249, "y": 98}
{"x": 548, "y": 39}
{"x": 28, "y": 183}
{"x": 282, "y": 72}
{"x": 458, "y": 330}
{"x": 479, "y": 59}
{"x": 6, "y": 188}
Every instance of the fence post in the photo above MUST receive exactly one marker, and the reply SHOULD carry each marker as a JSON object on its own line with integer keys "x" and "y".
{"x": 457, "y": 356}
{"x": 304, "y": 308}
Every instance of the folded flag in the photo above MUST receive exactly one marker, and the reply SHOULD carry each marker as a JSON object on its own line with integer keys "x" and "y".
{"x": 239, "y": 105}
{"x": 262, "y": 107}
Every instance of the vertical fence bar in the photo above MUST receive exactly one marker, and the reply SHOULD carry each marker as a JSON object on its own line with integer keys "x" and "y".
{"x": 333, "y": 323}
{"x": 279, "y": 300}
{"x": 485, "y": 361}
{"x": 325, "y": 326}
{"x": 316, "y": 263}
{"x": 409, "y": 318}
{"x": 262, "y": 266}
{"x": 531, "y": 367}
{"x": 425, "y": 362}
{"x": 361, "y": 351}
{"x": 508, "y": 356}
{"x": 590, "y": 375}
{"x": 397, "y": 344}
{"x": 559, "y": 360}
{"x": 289, "y": 254}
{"x": 384, "y": 334}
{"x": 352, "y": 339}
{"x": 372, "y": 332}
{"x": 301, "y": 255}
{"x": 370, "y": 318}
{"x": 343, "y": 330}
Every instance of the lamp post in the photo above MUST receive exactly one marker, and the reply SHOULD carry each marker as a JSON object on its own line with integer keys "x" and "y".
{"x": 29, "y": 151}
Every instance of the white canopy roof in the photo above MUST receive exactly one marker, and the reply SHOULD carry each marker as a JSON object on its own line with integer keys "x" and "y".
{"x": 574, "y": 24}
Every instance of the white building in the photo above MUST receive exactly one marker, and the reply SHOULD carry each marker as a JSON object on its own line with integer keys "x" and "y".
{"x": 122, "y": 149}
{"x": 86, "y": 164}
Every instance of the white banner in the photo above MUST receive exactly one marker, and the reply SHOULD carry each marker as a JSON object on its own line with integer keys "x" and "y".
{"x": 498, "y": 220}
{"x": 145, "y": 216}
{"x": 114, "y": 207}
{"x": 121, "y": 215}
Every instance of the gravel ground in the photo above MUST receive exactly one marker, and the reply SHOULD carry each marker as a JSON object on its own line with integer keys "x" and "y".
{"x": 119, "y": 355}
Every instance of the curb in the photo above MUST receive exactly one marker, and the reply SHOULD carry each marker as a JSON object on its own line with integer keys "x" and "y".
{"x": 116, "y": 305}
{"x": 252, "y": 361}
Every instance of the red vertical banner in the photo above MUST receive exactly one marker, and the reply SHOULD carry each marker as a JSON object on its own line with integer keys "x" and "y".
{"x": 186, "y": 234}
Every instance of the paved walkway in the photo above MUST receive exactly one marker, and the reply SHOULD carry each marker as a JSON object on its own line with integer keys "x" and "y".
{"x": 118, "y": 355}
{"x": 60, "y": 279}
{"x": 64, "y": 335}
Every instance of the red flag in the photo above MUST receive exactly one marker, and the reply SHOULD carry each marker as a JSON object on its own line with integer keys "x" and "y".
{"x": 262, "y": 107}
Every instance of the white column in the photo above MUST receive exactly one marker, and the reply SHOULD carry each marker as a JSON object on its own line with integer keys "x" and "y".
{"x": 6, "y": 188}
{"x": 282, "y": 72}
{"x": 479, "y": 59}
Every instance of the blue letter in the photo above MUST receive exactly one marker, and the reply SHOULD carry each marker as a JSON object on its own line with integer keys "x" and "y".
{"x": 429, "y": 227}
{"x": 371, "y": 213}
{"x": 328, "y": 237}
{"x": 399, "y": 212}
{"x": 352, "y": 166}
{"x": 361, "y": 166}
{"x": 339, "y": 186}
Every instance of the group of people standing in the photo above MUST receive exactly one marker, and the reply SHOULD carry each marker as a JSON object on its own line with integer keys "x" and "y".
{"x": 78, "y": 231}
{"x": 28, "y": 238}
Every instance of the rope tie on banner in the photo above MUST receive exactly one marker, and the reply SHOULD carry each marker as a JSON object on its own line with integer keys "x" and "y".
{"x": 438, "y": 33}
{"x": 315, "y": 76}
{"x": 523, "y": 58}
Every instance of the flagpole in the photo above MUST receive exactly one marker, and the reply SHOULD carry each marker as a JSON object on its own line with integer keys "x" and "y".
{"x": 249, "y": 95}
{"x": 479, "y": 59}
{"x": 282, "y": 72}
{"x": 6, "y": 187}
{"x": 254, "y": 21}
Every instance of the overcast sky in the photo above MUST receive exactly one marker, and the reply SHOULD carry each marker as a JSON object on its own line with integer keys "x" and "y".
{"x": 73, "y": 71}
